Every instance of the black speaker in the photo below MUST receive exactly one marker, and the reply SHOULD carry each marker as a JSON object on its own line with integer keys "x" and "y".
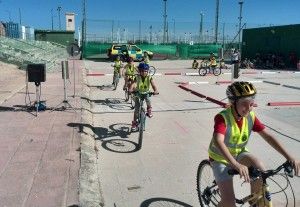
{"x": 36, "y": 73}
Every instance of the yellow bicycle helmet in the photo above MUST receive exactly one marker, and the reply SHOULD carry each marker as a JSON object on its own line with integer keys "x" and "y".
{"x": 239, "y": 90}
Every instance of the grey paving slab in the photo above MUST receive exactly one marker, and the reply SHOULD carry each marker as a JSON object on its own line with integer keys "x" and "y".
{"x": 41, "y": 162}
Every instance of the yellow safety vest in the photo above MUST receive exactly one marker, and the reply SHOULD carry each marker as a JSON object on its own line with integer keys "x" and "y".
{"x": 213, "y": 61}
{"x": 117, "y": 66}
{"x": 147, "y": 60}
{"x": 130, "y": 69}
{"x": 143, "y": 86}
{"x": 235, "y": 139}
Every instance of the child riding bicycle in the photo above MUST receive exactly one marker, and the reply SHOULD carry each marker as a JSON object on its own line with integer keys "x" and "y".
{"x": 232, "y": 130}
{"x": 142, "y": 85}
{"x": 117, "y": 67}
{"x": 146, "y": 58}
{"x": 213, "y": 60}
{"x": 195, "y": 64}
{"x": 130, "y": 70}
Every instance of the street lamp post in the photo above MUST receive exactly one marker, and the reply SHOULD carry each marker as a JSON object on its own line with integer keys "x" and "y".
{"x": 59, "y": 9}
{"x": 201, "y": 28}
{"x": 240, "y": 23}
{"x": 165, "y": 21}
{"x": 217, "y": 21}
{"x": 52, "y": 19}
{"x": 174, "y": 38}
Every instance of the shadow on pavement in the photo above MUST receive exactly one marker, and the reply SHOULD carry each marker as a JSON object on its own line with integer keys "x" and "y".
{"x": 113, "y": 103}
{"x": 163, "y": 202}
{"x": 117, "y": 145}
{"x": 109, "y": 87}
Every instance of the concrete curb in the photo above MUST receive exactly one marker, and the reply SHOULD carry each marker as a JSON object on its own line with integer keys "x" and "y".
{"x": 90, "y": 194}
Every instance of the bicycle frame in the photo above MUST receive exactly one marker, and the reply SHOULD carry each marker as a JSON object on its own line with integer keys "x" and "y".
{"x": 141, "y": 116}
{"x": 259, "y": 199}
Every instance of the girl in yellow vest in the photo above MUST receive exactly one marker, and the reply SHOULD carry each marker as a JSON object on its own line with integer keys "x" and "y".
{"x": 213, "y": 61}
{"x": 142, "y": 85}
{"x": 130, "y": 71}
{"x": 232, "y": 130}
{"x": 117, "y": 67}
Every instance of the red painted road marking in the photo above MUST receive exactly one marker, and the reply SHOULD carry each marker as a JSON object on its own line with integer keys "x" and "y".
{"x": 172, "y": 73}
{"x": 224, "y": 105}
{"x": 95, "y": 74}
{"x": 297, "y": 103}
{"x": 181, "y": 127}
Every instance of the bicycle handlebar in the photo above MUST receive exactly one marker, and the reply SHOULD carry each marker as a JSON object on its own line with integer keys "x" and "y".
{"x": 254, "y": 172}
{"x": 150, "y": 93}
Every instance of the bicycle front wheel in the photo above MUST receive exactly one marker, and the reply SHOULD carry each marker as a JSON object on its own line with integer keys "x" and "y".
{"x": 132, "y": 101}
{"x": 217, "y": 71}
{"x": 208, "y": 191}
{"x": 126, "y": 94}
{"x": 152, "y": 70}
{"x": 202, "y": 71}
{"x": 142, "y": 124}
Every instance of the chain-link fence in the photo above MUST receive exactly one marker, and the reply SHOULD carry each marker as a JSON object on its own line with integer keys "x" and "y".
{"x": 119, "y": 31}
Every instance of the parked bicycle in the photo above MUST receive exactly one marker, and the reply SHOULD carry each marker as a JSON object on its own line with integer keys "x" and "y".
{"x": 209, "y": 195}
{"x": 141, "y": 121}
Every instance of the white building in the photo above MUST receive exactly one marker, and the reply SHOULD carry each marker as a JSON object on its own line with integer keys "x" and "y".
{"x": 70, "y": 21}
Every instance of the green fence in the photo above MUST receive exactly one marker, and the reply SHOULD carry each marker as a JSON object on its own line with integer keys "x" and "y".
{"x": 180, "y": 51}
{"x": 60, "y": 37}
{"x": 275, "y": 40}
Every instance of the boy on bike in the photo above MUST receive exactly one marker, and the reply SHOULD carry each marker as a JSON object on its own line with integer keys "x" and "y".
{"x": 212, "y": 60}
{"x": 146, "y": 58}
{"x": 142, "y": 85}
{"x": 117, "y": 67}
{"x": 227, "y": 149}
{"x": 195, "y": 64}
{"x": 130, "y": 70}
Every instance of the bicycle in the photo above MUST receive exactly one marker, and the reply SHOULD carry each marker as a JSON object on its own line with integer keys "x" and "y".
{"x": 141, "y": 120}
{"x": 129, "y": 96}
{"x": 116, "y": 77}
{"x": 214, "y": 70}
{"x": 209, "y": 195}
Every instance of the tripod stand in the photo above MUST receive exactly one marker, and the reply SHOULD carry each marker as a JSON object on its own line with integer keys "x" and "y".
{"x": 64, "y": 105}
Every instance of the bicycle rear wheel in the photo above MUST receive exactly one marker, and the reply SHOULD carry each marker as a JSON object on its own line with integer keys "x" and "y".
{"x": 152, "y": 70}
{"x": 208, "y": 191}
{"x": 202, "y": 71}
{"x": 217, "y": 71}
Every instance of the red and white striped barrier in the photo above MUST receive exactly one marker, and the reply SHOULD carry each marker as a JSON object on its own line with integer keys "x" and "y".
{"x": 184, "y": 87}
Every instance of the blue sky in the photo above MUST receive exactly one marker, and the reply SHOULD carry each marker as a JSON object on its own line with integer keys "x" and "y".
{"x": 37, "y": 13}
